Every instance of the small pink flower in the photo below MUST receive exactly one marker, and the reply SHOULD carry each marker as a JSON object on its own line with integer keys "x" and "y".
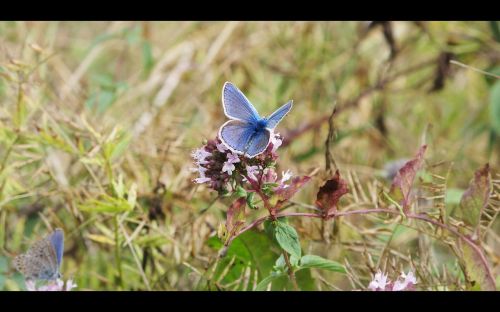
{"x": 221, "y": 147}
{"x": 228, "y": 166}
{"x": 51, "y": 286}
{"x": 200, "y": 156}
{"x": 379, "y": 282}
{"x": 285, "y": 176}
{"x": 407, "y": 283}
{"x": 404, "y": 282}
{"x": 202, "y": 179}
{"x": 30, "y": 285}
{"x": 276, "y": 141}
{"x": 269, "y": 175}
{"x": 252, "y": 171}
{"x": 409, "y": 278}
{"x": 70, "y": 285}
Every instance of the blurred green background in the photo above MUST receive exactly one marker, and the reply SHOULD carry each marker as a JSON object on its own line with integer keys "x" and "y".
{"x": 98, "y": 120}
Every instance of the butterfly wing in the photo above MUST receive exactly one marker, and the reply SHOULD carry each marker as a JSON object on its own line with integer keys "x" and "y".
{"x": 40, "y": 261}
{"x": 258, "y": 143}
{"x": 57, "y": 242}
{"x": 236, "y": 135}
{"x": 19, "y": 263}
{"x": 30, "y": 262}
{"x": 275, "y": 118}
{"x": 236, "y": 105}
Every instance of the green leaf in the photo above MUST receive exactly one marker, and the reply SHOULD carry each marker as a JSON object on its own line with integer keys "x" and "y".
{"x": 280, "y": 264}
{"x": 477, "y": 270}
{"x": 21, "y": 111}
{"x": 120, "y": 145}
{"x": 317, "y": 262}
{"x": 250, "y": 203}
{"x": 304, "y": 279}
{"x": 263, "y": 284}
{"x": 269, "y": 230}
{"x": 106, "y": 204}
{"x": 453, "y": 196}
{"x": 240, "y": 192}
{"x": 475, "y": 198}
{"x": 132, "y": 195}
{"x": 119, "y": 187}
{"x": 287, "y": 238}
{"x": 251, "y": 248}
{"x": 495, "y": 107}
{"x": 54, "y": 140}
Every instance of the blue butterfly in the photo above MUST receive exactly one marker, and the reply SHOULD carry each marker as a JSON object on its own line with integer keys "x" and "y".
{"x": 43, "y": 260}
{"x": 247, "y": 133}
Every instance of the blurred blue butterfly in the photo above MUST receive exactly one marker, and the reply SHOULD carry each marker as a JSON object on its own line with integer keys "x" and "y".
{"x": 247, "y": 133}
{"x": 43, "y": 260}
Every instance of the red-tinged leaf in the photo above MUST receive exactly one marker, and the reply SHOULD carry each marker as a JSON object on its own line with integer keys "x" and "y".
{"x": 286, "y": 193}
{"x": 403, "y": 181}
{"x": 477, "y": 268}
{"x": 330, "y": 193}
{"x": 235, "y": 215}
{"x": 283, "y": 194}
{"x": 475, "y": 198}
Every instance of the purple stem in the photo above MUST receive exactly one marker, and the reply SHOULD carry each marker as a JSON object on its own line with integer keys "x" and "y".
{"x": 380, "y": 210}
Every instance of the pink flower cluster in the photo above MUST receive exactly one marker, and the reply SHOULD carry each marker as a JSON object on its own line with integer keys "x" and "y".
{"x": 267, "y": 175}
{"x": 58, "y": 285}
{"x": 404, "y": 282}
{"x": 223, "y": 169}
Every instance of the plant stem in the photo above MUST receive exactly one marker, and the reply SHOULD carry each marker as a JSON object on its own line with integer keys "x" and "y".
{"x": 420, "y": 217}
{"x": 291, "y": 273}
{"x": 118, "y": 252}
{"x": 3, "y": 165}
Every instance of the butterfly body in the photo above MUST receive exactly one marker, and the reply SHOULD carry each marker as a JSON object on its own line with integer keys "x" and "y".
{"x": 260, "y": 125}
{"x": 247, "y": 133}
{"x": 43, "y": 260}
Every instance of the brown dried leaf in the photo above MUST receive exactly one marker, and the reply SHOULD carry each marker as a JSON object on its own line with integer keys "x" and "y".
{"x": 403, "y": 181}
{"x": 235, "y": 215}
{"x": 330, "y": 193}
{"x": 285, "y": 194}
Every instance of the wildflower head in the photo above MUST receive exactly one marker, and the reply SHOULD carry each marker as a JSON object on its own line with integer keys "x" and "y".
{"x": 57, "y": 285}
{"x": 380, "y": 282}
{"x": 223, "y": 170}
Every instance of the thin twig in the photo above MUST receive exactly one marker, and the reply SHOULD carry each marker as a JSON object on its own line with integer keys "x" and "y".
{"x": 315, "y": 124}
{"x": 474, "y": 69}
{"x": 421, "y": 217}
